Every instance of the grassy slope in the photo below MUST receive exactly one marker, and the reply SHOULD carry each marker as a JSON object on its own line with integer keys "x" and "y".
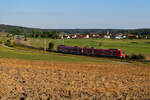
{"x": 40, "y": 55}
{"x": 130, "y": 46}
{"x": 34, "y": 55}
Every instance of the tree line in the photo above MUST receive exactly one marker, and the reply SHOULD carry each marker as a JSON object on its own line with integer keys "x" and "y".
{"x": 36, "y": 32}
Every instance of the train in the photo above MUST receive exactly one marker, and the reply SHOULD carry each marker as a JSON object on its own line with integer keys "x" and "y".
{"x": 117, "y": 53}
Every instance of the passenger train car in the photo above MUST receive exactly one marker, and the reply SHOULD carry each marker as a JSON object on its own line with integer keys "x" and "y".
{"x": 91, "y": 51}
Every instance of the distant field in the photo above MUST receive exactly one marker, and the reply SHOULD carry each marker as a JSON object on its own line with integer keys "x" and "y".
{"x": 130, "y": 46}
{"x": 3, "y": 38}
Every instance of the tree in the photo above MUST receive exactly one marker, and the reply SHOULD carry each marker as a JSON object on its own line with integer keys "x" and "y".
{"x": 148, "y": 36}
{"x": 8, "y": 35}
{"x": 39, "y": 32}
{"x": 13, "y": 32}
{"x": 49, "y": 34}
{"x": 9, "y": 43}
{"x": 16, "y": 31}
{"x": 51, "y": 46}
{"x": 34, "y": 33}
{"x": 54, "y": 34}
{"x": 25, "y": 34}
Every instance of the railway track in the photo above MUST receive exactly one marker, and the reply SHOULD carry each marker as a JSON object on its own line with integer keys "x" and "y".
{"x": 42, "y": 49}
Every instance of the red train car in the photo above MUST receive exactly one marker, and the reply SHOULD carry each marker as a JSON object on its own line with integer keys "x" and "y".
{"x": 99, "y": 52}
{"x": 88, "y": 51}
{"x": 64, "y": 49}
{"x": 92, "y": 51}
{"x": 77, "y": 50}
{"x": 60, "y": 48}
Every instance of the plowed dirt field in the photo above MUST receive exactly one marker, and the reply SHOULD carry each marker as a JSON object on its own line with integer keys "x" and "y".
{"x": 41, "y": 80}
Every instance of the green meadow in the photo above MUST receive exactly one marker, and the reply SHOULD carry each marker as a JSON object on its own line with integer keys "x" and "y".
{"x": 134, "y": 46}
{"x": 29, "y": 54}
{"x": 130, "y": 46}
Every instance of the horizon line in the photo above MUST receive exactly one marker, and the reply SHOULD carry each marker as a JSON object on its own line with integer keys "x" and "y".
{"x": 73, "y": 28}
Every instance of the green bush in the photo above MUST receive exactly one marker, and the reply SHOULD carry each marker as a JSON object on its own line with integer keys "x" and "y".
{"x": 25, "y": 39}
{"x": 139, "y": 56}
{"x": 9, "y": 43}
{"x": 8, "y": 35}
{"x": 51, "y": 46}
{"x": 1, "y": 42}
{"x": 133, "y": 56}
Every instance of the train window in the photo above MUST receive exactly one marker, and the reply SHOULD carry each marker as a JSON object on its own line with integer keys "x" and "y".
{"x": 123, "y": 52}
{"x": 97, "y": 51}
{"x": 115, "y": 52}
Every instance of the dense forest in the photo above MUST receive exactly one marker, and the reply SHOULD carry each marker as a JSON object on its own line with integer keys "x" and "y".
{"x": 47, "y": 32}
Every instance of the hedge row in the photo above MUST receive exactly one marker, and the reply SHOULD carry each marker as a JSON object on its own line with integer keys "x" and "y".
{"x": 136, "y": 57}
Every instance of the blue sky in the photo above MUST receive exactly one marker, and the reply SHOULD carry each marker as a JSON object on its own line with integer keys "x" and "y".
{"x": 76, "y": 13}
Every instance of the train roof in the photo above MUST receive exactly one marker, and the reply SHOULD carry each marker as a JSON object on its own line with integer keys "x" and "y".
{"x": 90, "y": 48}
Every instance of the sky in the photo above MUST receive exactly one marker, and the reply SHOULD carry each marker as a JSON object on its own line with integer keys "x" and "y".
{"x": 76, "y": 14}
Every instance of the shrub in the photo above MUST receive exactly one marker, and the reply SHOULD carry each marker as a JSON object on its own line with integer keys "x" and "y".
{"x": 25, "y": 39}
{"x": 9, "y": 43}
{"x": 8, "y": 35}
{"x": 1, "y": 42}
{"x": 139, "y": 56}
{"x": 51, "y": 46}
{"x": 133, "y": 56}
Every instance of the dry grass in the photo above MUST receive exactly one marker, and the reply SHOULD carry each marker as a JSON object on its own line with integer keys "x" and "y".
{"x": 69, "y": 81}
